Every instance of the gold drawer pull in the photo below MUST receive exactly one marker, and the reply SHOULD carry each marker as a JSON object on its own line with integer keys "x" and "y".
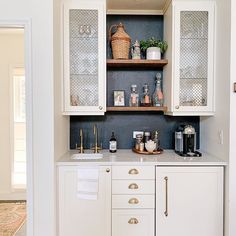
{"x": 133, "y": 172}
{"x": 133, "y": 221}
{"x": 133, "y": 186}
{"x": 133, "y": 201}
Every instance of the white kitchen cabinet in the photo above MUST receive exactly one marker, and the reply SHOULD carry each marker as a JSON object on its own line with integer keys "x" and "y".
{"x": 133, "y": 200}
{"x": 78, "y": 215}
{"x": 189, "y": 201}
{"x": 189, "y": 29}
{"x": 84, "y": 55}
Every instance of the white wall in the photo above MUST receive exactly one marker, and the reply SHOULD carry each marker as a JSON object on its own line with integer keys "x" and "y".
{"x": 211, "y": 126}
{"x": 40, "y": 12}
{"x": 232, "y": 159}
{"x": 61, "y": 123}
{"x": 12, "y": 54}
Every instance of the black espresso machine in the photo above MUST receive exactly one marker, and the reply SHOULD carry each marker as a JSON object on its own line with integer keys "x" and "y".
{"x": 185, "y": 141}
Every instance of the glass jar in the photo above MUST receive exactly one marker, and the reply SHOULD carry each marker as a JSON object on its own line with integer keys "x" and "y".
{"x": 141, "y": 147}
{"x": 155, "y": 138}
{"x": 134, "y": 96}
{"x": 139, "y": 138}
{"x": 147, "y": 136}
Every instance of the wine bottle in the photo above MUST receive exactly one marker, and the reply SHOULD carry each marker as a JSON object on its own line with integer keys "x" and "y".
{"x": 113, "y": 143}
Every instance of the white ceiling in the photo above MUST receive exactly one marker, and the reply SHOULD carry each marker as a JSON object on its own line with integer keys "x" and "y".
{"x": 136, "y": 6}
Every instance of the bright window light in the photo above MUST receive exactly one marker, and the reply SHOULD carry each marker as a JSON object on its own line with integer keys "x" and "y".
{"x": 19, "y": 130}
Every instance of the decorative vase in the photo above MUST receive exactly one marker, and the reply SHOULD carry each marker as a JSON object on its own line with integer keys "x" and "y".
{"x": 153, "y": 53}
{"x": 120, "y": 42}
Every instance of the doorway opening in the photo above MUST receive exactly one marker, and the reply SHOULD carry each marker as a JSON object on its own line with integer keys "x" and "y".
{"x": 15, "y": 129}
{"x": 18, "y": 124}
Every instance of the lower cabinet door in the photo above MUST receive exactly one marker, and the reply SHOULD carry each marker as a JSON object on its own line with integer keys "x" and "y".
{"x": 189, "y": 201}
{"x": 82, "y": 213}
{"x": 133, "y": 222}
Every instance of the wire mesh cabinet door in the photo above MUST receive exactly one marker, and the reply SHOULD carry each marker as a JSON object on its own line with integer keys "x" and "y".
{"x": 84, "y": 57}
{"x": 193, "y": 30}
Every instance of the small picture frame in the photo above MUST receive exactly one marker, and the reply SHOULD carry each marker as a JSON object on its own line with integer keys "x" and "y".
{"x": 119, "y": 98}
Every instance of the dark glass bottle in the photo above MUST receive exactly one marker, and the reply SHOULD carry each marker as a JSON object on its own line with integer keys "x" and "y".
{"x": 113, "y": 143}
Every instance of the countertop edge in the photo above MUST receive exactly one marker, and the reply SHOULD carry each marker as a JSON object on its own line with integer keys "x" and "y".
{"x": 126, "y": 157}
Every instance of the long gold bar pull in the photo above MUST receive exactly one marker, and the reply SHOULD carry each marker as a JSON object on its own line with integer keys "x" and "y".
{"x": 81, "y": 141}
{"x": 166, "y": 182}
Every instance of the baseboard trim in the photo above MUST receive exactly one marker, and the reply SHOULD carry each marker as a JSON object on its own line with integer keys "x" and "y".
{"x": 12, "y": 201}
{"x": 13, "y": 196}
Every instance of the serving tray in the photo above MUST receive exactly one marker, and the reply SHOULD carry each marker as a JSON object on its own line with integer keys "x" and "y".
{"x": 157, "y": 152}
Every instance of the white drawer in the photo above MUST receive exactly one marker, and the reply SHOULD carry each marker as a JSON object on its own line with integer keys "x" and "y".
{"x": 133, "y": 201}
{"x": 133, "y": 187}
{"x": 133, "y": 172}
{"x": 133, "y": 222}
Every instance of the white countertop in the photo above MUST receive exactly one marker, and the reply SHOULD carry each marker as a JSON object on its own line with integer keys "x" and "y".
{"x": 128, "y": 157}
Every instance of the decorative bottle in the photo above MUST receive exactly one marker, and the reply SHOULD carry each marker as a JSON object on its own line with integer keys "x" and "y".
{"x": 113, "y": 143}
{"x": 134, "y": 96}
{"x": 155, "y": 138}
{"x": 157, "y": 97}
{"x": 146, "y": 98}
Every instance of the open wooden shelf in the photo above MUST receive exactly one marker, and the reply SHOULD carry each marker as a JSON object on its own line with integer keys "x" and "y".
{"x": 112, "y": 63}
{"x": 137, "y": 109}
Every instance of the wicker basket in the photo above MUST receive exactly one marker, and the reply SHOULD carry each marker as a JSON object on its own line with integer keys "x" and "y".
{"x": 120, "y": 42}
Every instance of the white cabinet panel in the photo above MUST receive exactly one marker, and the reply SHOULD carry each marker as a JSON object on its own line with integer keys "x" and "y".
{"x": 83, "y": 217}
{"x": 189, "y": 201}
{"x": 133, "y": 222}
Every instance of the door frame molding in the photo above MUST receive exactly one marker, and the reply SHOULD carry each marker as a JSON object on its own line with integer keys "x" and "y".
{"x": 26, "y": 24}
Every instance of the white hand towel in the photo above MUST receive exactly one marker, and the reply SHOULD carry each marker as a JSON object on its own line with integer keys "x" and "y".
{"x": 88, "y": 173}
{"x": 87, "y": 186}
{"x": 87, "y": 183}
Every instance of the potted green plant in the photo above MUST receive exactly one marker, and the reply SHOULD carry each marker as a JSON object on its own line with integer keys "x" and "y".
{"x": 153, "y": 48}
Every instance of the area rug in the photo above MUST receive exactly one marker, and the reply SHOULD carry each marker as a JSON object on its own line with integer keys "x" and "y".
{"x": 12, "y": 217}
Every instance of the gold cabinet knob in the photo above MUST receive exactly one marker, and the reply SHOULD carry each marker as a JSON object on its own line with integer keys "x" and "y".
{"x": 133, "y": 172}
{"x": 133, "y": 221}
{"x": 133, "y": 186}
{"x": 108, "y": 170}
{"x": 133, "y": 201}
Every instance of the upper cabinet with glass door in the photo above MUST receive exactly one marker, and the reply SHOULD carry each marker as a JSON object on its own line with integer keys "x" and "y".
{"x": 84, "y": 57}
{"x": 189, "y": 29}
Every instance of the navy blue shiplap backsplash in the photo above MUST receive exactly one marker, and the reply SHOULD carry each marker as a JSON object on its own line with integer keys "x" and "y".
{"x": 124, "y": 123}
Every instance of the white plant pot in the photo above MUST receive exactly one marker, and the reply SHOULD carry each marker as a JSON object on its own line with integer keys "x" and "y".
{"x": 153, "y": 53}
